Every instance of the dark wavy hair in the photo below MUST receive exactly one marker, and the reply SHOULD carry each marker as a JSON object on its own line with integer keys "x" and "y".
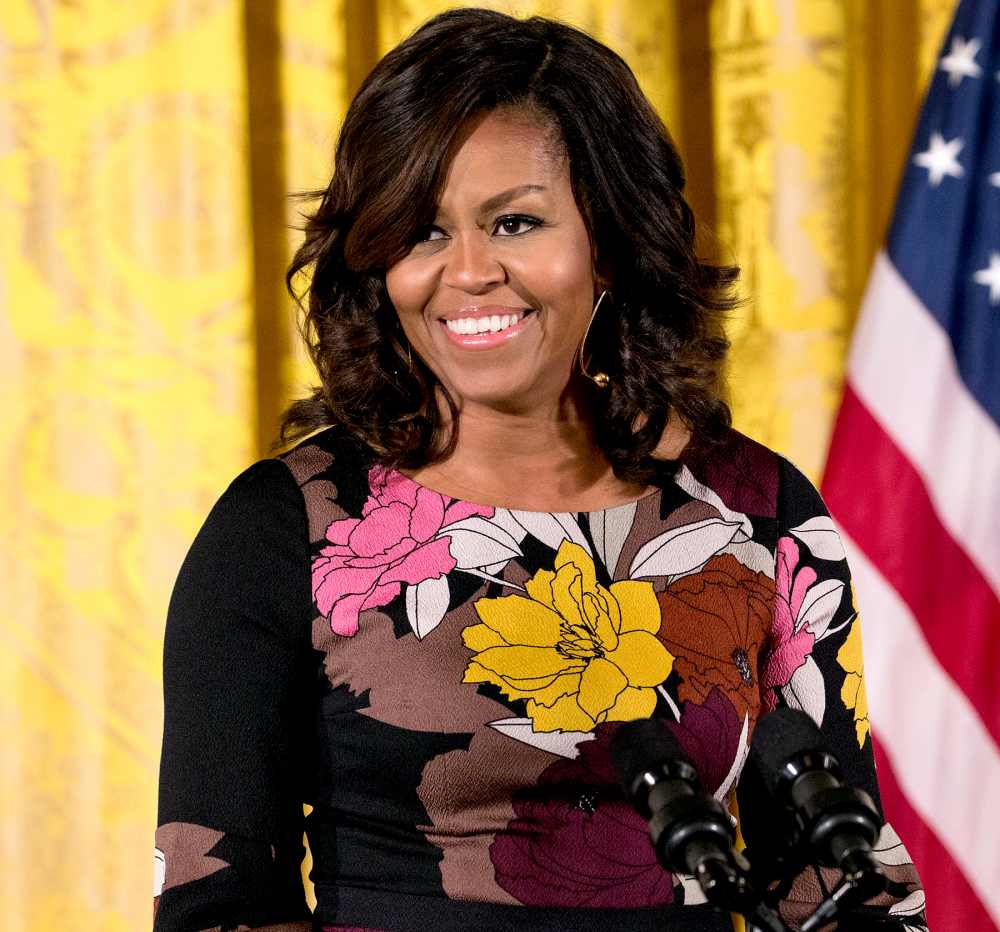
{"x": 662, "y": 344}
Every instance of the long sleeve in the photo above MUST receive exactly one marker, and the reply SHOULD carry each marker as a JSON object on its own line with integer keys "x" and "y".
{"x": 813, "y": 662}
{"x": 236, "y": 728}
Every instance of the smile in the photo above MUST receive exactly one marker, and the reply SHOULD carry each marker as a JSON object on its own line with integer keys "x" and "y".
{"x": 486, "y": 331}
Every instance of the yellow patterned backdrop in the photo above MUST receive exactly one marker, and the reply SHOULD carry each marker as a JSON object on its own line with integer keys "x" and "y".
{"x": 146, "y": 345}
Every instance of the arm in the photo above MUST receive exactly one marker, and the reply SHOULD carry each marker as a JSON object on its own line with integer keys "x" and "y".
{"x": 813, "y": 662}
{"x": 235, "y": 736}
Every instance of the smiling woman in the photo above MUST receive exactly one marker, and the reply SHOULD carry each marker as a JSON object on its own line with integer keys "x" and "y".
{"x": 511, "y": 516}
{"x": 510, "y": 193}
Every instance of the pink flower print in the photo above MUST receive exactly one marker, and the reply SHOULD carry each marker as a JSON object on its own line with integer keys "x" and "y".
{"x": 788, "y": 649}
{"x": 397, "y": 540}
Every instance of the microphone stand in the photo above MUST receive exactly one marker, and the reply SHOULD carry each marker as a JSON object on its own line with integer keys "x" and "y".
{"x": 765, "y": 919}
{"x": 730, "y": 885}
{"x": 863, "y": 880}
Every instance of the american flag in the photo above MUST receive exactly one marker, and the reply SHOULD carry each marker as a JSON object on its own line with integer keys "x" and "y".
{"x": 913, "y": 481}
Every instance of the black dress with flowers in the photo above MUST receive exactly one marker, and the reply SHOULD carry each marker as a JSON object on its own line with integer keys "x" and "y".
{"x": 435, "y": 681}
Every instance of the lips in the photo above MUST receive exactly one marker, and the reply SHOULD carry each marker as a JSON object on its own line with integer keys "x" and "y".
{"x": 485, "y": 310}
{"x": 488, "y": 338}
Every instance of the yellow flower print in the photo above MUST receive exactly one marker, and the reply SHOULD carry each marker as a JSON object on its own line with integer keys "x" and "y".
{"x": 853, "y": 690}
{"x": 578, "y": 652}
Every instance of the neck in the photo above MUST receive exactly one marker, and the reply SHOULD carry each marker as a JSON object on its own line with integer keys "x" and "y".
{"x": 543, "y": 458}
{"x": 560, "y": 438}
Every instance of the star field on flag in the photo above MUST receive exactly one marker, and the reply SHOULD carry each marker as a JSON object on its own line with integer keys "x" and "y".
{"x": 990, "y": 277}
{"x": 961, "y": 61}
{"x": 941, "y": 158}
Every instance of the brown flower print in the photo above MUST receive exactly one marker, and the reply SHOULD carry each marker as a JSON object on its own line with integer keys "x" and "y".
{"x": 714, "y": 623}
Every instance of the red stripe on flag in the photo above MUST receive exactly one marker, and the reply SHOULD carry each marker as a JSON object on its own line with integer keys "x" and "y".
{"x": 951, "y": 902}
{"x": 875, "y": 493}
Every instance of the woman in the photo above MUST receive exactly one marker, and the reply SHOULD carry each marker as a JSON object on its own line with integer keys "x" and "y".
{"x": 514, "y": 517}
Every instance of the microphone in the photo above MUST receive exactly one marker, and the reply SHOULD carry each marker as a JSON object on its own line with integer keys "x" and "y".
{"x": 837, "y": 823}
{"x": 691, "y": 831}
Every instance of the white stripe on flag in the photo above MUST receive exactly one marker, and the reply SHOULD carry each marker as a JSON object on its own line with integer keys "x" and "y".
{"x": 902, "y": 367}
{"x": 944, "y": 759}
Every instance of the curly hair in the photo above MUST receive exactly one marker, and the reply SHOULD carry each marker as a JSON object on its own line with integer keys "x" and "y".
{"x": 663, "y": 347}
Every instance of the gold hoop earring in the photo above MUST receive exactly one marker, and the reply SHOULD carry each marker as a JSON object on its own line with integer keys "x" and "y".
{"x": 401, "y": 338}
{"x": 600, "y": 379}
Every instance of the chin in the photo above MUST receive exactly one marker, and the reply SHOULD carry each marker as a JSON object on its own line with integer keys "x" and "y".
{"x": 504, "y": 396}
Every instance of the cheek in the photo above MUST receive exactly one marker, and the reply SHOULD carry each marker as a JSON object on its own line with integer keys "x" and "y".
{"x": 405, "y": 290}
{"x": 566, "y": 268}
{"x": 569, "y": 284}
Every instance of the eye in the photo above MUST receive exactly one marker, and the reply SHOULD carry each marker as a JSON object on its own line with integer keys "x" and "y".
{"x": 509, "y": 222}
{"x": 516, "y": 220}
{"x": 423, "y": 234}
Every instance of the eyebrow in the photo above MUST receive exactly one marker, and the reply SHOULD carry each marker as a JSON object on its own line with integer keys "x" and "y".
{"x": 498, "y": 200}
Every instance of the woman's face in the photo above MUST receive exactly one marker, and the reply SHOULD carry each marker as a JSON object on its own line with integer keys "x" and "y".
{"x": 496, "y": 295}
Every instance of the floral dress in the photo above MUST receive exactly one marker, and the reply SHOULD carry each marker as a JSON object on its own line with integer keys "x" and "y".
{"x": 426, "y": 687}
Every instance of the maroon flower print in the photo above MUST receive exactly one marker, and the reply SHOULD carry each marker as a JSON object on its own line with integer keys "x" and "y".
{"x": 575, "y": 841}
{"x": 709, "y": 734}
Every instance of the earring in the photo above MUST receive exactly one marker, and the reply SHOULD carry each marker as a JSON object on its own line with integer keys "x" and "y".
{"x": 409, "y": 362}
{"x": 600, "y": 379}
{"x": 400, "y": 339}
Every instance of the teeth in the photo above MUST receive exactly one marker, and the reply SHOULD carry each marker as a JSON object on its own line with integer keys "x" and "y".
{"x": 494, "y": 324}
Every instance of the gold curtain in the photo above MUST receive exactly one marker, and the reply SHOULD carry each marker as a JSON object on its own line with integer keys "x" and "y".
{"x": 147, "y": 346}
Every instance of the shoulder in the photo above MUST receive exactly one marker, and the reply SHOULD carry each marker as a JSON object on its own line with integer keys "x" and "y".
{"x": 329, "y": 453}
{"x": 752, "y": 478}
{"x": 745, "y": 474}
{"x": 268, "y": 504}
{"x": 331, "y": 472}
{"x": 249, "y": 561}
{"x": 262, "y": 503}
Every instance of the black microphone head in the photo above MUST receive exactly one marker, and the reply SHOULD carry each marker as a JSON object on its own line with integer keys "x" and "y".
{"x": 768, "y": 825}
{"x": 779, "y": 737}
{"x": 645, "y": 746}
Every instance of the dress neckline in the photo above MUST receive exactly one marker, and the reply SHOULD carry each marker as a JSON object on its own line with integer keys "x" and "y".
{"x": 394, "y": 475}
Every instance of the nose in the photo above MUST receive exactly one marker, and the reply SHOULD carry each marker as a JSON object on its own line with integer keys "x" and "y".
{"x": 471, "y": 263}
